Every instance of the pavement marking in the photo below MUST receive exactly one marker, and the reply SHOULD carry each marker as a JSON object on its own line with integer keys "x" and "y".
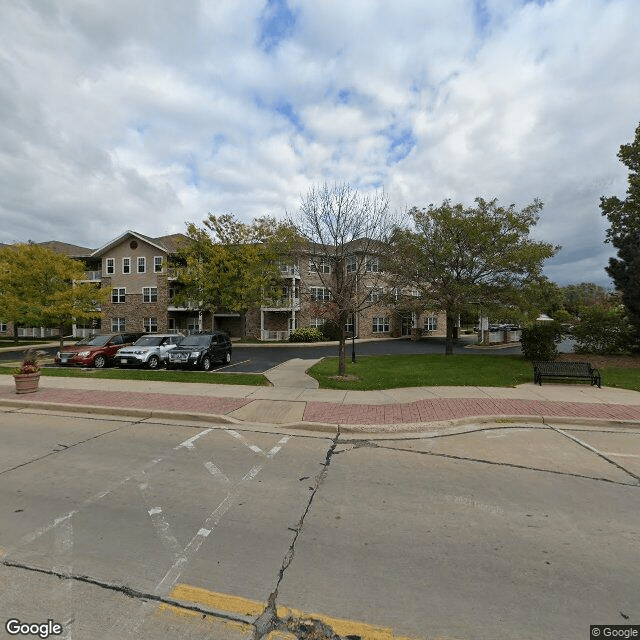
{"x": 622, "y": 455}
{"x": 188, "y": 444}
{"x": 3, "y": 551}
{"x": 239, "y": 606}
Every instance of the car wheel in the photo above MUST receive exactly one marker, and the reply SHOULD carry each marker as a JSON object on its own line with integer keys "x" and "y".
{"x": 153, "y": 362}
{"x": 206, "y": 363}
{"x": 227, "y": 358}
{"x": 100, "y": 362}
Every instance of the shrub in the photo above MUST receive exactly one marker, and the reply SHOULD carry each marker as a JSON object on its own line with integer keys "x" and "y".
{"x": 306, "y": 334}
{"x": 331, "y": 330}
{"x": 603, "y": 330}
{"x": 540, "y": 341}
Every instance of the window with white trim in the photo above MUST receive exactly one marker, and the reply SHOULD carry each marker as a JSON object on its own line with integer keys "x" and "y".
{"x": 372, "y": 265}
{"x": 350, "y": 326}
{"x": 317, "y": 322}
{"x": 142, "y": 264}
{"x": 126, "y": 265}
{"x": 380, "y": 325}
{"x": 118, "y": 324}
{"x": 149, "y": 294}
{"x": 118, "y": 295}
{"x": 319, "y": 265}
{"x": 351, "y": 265}
{"x": 430, "y": 323}
{"x": 111, "y": 266}
{"x": 397, "y": 293}
{"x": 157, "y": 264}
{"x": 150, "y": 325}
{"x": 3, "y": 327}
{"x": 374, "y": 295}
{"x": 321, "y": 294}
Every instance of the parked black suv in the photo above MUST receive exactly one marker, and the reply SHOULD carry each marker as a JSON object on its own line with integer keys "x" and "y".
{"x": 200, "y": 351}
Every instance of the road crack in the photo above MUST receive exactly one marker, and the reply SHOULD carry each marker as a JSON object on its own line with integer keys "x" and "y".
{"x": 269, "y": 620}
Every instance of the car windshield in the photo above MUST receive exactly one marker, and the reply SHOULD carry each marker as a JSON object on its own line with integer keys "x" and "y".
{"x": 98, "y": 341}
{"x": 148, "y": 341}
{"x": 195, "y": 341}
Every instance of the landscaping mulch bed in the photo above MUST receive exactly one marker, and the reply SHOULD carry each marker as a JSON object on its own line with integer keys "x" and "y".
{"x": 599, "y": 362}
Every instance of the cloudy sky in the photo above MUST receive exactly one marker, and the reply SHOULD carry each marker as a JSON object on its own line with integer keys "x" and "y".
{"x": 145, "y": 114}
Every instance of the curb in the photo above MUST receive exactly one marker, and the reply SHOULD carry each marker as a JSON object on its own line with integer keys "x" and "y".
{"x": 491, "y": 421}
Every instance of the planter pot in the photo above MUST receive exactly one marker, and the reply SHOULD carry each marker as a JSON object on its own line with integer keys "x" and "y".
{"x": 27, "y": 382}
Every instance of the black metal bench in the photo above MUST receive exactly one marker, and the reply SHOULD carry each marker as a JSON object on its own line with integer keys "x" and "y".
{"x": 566, "y": 370}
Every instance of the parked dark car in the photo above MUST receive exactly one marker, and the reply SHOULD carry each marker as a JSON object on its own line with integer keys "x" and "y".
{"x": 97, "y": 351}
{"x": 148, "y": 351}
{"x": 200, "y": 351}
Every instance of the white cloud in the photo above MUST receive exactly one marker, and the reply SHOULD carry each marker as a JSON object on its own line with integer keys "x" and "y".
{"x": 144, "y": 115}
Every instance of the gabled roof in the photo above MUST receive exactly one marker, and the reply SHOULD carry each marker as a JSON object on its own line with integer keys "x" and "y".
{"x": 166, "y": 244}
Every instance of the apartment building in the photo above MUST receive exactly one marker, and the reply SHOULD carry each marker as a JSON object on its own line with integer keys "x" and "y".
{"x": 137, "y": 270}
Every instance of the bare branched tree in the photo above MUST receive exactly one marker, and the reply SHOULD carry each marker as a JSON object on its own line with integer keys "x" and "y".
{"x": 343, "y": 239}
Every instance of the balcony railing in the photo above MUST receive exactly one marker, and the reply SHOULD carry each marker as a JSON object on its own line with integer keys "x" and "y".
{"x": 269, "y": 335}
{"x": 93, "y": 276}
{"x": 281, "y": 304}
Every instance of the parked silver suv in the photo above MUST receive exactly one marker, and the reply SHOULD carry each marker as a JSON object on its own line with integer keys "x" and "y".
{"x": 148, "y": 351}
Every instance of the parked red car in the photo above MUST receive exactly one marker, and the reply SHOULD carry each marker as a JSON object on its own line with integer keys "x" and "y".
{"x": 97, "y": 351}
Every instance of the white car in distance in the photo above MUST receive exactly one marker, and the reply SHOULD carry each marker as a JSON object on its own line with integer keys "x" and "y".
{"x": 148, "y": 351}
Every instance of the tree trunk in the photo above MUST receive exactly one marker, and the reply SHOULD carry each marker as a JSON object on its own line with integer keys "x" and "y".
{"x": 342, "y": 364}
{"x": 450, "y": 328}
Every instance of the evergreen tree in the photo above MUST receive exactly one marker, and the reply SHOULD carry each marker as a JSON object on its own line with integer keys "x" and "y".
{"x": 624, "y": 235}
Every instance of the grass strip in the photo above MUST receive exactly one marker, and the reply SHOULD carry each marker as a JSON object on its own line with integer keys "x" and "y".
{"x": 372, "y": 373}
{"x": 159, "y": 376}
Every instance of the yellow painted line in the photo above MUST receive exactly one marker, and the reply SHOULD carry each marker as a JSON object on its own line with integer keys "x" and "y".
{"x": 220, "y": 601}
{"x": 3, "y": 551}
{"x": 243, "y": 606}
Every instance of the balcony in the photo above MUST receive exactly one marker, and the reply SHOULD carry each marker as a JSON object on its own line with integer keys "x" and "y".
{"x": 289, "y": 271}
{"x": 92, "y": 276}
{"x": 281, "y": 304}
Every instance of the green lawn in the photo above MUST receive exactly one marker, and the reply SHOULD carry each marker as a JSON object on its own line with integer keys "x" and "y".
{"x": 163, "y": 376}
{"x": 391, "y": 372}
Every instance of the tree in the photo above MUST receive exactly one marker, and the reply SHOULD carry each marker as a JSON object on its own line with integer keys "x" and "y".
{"x": 585, "y": 294}
{"x": 343, "y": 234}
{"x": 228, "y": 264}
{"x": 624, "y": 235}
{"x": 42, "y": 288}
{"x": 462, "y": 257}
{"x": 603, "y": 329}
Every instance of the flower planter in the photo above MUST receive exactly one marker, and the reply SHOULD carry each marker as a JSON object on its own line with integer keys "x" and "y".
{"x": 27, "y": 382}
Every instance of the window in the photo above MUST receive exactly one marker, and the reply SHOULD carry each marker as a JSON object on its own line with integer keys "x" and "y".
{"x": 126, "y": 265}
{"x": 150, "y": 325}
{"x": 3, "y": 327}
{"x": 157, "y": 264}
{"x": 316, "y": 322}
{"x": 380, "y": 325}
{"x": 430, "y": 323}
{"x": 374, "y": 295}
{"x": 149, "y": 294}
{"x": 397, "y": 293}
{"x": 320, "y": 293}
{"x": 118, "y": 295}
{"x": 142, "y": 265}
{"x": 111, "y": 266}
{"x": 118, "y": 324}
{"x": 373, "y": 265}
{"x": 319, "y": 265}
{"x": 352, "y": 264}
{"x": 349, "y": 327}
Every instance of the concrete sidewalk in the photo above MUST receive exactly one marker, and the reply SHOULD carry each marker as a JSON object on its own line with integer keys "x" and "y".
{"x": 307, "y": 407}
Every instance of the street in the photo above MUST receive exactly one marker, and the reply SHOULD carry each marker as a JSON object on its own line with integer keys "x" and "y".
{"x": 114, "y": 528}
